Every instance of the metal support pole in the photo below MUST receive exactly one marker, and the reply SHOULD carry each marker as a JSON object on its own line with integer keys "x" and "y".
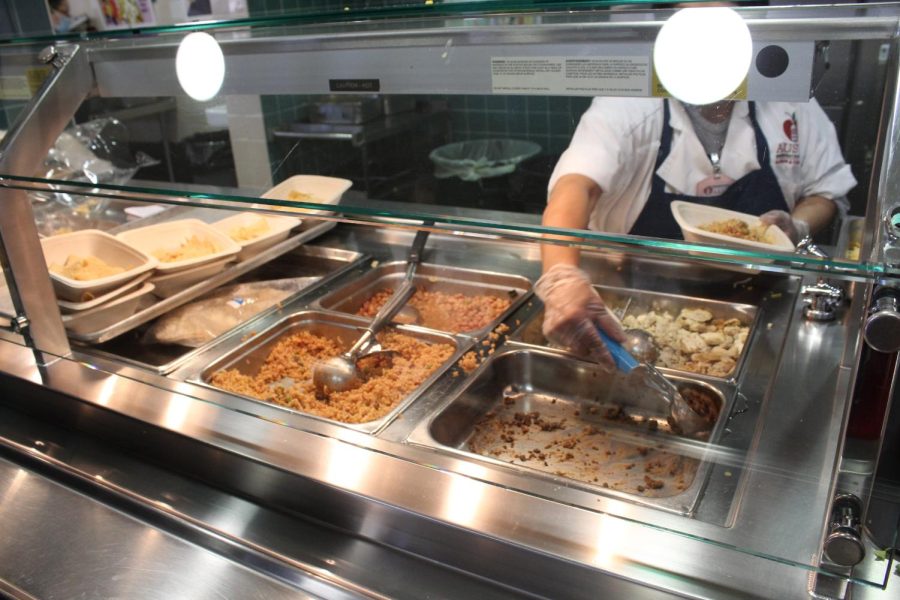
{"x": 21, "y": 153}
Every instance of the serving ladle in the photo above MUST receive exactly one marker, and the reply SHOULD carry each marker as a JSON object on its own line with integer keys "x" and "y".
{"x": 343, "y": 373}
{"x": 640, "y": 344}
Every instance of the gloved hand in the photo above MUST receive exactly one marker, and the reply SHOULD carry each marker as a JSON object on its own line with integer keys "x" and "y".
{"x": 572, "y": 312}
{"x": 795, "y": 229}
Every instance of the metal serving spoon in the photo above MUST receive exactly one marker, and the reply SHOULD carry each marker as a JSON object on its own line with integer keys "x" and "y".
{"x": 641, "y": 343}
{"x": 343, "y": 372}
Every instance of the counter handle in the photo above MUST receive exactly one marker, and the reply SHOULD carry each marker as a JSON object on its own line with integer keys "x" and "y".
{"x": 882, "y": 331}
{"x": 844, "y": 546}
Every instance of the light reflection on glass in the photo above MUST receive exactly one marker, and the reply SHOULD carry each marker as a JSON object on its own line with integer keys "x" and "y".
{"x": 465, "y": 495}
{"x": 612, "y": 542}
{"x": 233, "y": 516}
{"x": 17, "y": 481}
{"x": 200, "y": 66}
{"x": 347, "y": 465}
{"x": 177, "y": 412}
{"x": 105, "y": 395}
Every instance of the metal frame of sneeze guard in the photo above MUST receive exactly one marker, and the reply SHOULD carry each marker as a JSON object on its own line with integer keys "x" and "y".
{"x": 21, "y": 151}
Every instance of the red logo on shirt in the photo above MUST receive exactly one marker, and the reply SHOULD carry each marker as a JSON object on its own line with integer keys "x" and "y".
{"x": 790, "y": 129}
{"x": 788, "y": 153}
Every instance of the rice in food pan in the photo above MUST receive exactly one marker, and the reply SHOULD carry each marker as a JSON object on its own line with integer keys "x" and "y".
{"x": 286, "y": 376}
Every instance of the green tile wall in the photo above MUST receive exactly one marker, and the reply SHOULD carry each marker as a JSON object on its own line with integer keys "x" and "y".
{"x": 547, "y": 121}
{"x": 279, "y": 111}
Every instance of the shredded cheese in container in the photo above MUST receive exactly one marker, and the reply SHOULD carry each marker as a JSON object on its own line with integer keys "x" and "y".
{"x": 85, "y": 268}
{"x": 193, "y": 247}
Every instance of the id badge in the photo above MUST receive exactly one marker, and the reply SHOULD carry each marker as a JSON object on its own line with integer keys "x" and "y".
{"x": 713, "y": 186}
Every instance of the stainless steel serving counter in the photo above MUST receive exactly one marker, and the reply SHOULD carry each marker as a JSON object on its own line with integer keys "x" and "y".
{"x": 755, "y": 531}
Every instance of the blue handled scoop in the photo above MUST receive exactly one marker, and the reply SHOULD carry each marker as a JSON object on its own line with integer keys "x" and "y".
{"x": 625, "y": 362}
{"x": 682, "y": 415}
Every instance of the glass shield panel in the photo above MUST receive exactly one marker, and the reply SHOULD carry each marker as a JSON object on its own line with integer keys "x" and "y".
{"x": 472, "y": 138}
{"x": 498, "y": 404}
{"x": 58, "y": 20}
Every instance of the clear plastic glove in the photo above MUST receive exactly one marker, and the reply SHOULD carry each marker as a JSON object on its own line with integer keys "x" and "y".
{"x": 795, "y": 229}
{"x": 573, "y": 310}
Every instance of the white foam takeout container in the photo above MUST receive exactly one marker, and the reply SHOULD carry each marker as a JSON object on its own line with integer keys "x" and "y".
{"x": 100, "y": 317}
{"x": 92, "y": 242}
{"x": 691, "y": 216}
{"x": 279, "y": 229}
{"x": 71, "y": 307}
{"x": 171, "y": 234}
{"x": 322, "y": 190}
{"x": 172, "y": 283}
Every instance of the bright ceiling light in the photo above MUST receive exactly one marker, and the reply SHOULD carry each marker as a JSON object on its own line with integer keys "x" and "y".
{"x": 200, "y": 66}
{"x": 702, "y": 55}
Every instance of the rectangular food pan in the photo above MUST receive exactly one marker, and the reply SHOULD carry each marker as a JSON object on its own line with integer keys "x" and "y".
{"x": 250, "y": 357}
{"x": 432, "y": 278}
{"x": 544, "y": 413}
{"x": 631, "y": 303}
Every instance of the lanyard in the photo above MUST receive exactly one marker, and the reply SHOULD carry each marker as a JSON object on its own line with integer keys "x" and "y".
{"x": 715, "y": 159}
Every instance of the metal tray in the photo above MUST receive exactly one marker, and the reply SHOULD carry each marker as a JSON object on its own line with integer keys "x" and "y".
{"x": 309, "y": 229}
{"x": 577, "y": 394}
{"x": 625, "y": 301}
{"x": 249, "y": 357}
{"x": 452, "y": 280}
{"x": 317, "y": 263}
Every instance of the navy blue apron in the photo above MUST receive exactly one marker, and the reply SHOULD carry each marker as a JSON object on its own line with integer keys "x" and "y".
{"x": 755, "y": 193}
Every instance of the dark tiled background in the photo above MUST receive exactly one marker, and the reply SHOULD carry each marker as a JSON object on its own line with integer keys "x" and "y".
{"x": 400, "y": 169}
{"x": 472, "y": 117}
{"x": 549, "y": 122}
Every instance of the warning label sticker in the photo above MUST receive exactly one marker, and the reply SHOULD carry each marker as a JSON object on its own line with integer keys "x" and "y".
{"x": 607, "y": 75}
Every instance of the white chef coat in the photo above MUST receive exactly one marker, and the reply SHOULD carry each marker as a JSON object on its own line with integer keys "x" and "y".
{"x": 617, "y": 140}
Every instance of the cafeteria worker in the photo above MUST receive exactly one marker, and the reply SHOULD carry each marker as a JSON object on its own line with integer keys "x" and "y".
{"x": 629, "y": 158}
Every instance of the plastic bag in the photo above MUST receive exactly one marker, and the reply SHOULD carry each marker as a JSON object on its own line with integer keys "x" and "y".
{"x": 196, "y": 323}
{"x": 95, "y": 151}
{"x": 480, "y": 159}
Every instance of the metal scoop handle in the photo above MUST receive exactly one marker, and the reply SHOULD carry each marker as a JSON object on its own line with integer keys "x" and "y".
{"x": 384, "y": 315}
{"x": 397, "y": 299}
{"x": 625, "y": 362}
{"x": 416, "y": 251}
